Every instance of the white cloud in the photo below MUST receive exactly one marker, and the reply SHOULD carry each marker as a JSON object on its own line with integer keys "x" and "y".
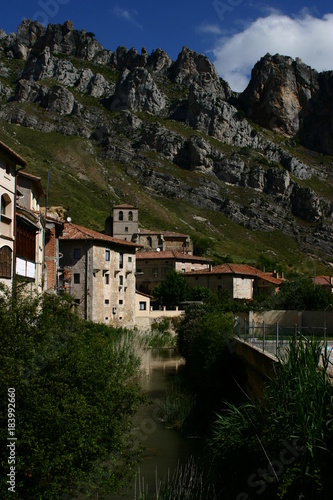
{"x": 306, "y": 37}
{"x": 127, "y": 15}
{"x": 209, "y": 29}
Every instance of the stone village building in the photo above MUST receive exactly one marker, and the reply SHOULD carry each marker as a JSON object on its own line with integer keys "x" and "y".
{"x": 124, "y": 224}
{"x": 240, "y": 280}
{"x": 99, "y": 272}
{"x": 152, "y": 267}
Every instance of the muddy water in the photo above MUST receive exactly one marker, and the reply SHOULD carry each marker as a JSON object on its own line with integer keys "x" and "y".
{"x": 164, "y": 448}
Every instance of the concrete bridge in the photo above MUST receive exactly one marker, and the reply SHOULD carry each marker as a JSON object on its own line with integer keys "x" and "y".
{"x": 262, "y": 365}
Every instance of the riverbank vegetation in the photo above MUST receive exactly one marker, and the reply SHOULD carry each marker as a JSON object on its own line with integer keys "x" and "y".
{"x": 75, "y": 393}
{"x": 282, "y": 445}
{"x": 188, "y": 482}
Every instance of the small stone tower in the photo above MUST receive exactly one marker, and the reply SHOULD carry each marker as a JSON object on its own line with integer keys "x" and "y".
{"x": 125, "y": 222}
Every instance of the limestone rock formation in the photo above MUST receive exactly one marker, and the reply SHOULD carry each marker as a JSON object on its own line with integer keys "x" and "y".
{"x": 169, "y": 117}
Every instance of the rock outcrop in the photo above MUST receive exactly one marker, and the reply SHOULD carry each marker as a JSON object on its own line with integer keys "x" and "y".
{"x": 289, "y": 97}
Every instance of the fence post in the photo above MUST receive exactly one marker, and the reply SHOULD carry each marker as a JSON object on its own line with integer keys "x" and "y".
{"x": 295, "y": 331}
{"x": 263, "y": 335}
{"x": 277, "y": 339}
{"x": 253, "y": 331}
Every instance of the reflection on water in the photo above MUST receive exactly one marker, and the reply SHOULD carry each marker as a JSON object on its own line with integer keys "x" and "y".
{"x": 164, "y": 448}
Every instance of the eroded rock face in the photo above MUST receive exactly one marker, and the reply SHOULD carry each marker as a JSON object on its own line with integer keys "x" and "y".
{"x": 192, "y": 68}
{"x": 137, "y": 91}
{"x": 289, "y": 97}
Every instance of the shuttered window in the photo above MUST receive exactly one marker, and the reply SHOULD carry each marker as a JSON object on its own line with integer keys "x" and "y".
{"x": 5, "y": 262}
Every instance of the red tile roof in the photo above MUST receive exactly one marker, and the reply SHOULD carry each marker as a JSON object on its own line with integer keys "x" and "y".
{"x": 230, "y": 269}
{"x": 18, "y": 159}
{"x": 239, "y": 269}
{"x": 168, "y": 234}
{"x": 124, "y": 205}
{"x": 323, "y": 280}
{"x": 75, "y": 232}
{"x": 171, "y": 254}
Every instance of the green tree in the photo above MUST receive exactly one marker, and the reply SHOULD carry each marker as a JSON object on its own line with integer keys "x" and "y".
{"x": 173, "y": 290}
{"x": 73, "y": 395}
{"x": 299, "y": 293}
{"x": 203, "y": 338}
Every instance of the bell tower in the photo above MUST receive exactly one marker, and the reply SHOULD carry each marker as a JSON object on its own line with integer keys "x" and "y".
{"x": 125, "y": 222}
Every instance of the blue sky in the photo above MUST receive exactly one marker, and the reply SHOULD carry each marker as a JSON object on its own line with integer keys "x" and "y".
{"x": 234, "y": 34}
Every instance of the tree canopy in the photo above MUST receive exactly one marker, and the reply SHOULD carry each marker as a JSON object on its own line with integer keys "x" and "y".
{"x": 74, "y": 398}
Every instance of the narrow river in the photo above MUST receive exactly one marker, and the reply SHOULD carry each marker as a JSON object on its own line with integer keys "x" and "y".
{"x": 164, "y": 448}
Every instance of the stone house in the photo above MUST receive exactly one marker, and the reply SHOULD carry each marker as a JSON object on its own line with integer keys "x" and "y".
{"x": 99, "y": 272}
{"x": 10, "y": 164}
{"x": 152, "y": 267}
{"x": 240, "y": 280}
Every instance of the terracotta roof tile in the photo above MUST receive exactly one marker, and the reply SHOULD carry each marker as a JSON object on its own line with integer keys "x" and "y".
{"x": 238, "y": 269}
{"x": 18, "y": 159}
{"x": 75, "y": 232}
{"x": 323, "y": 280}
{"x": 168, "y": 234}
{"x": 171, "y": 254}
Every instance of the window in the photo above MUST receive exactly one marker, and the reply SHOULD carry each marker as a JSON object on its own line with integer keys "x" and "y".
{"x": 77, "y": 253}
{"x": 107, "y": 279}
{"x": 126, "y": 229}
{"x": 120, "y": 302}
{"x": 106, "y": 301}
{"x": 121, "y": 260}
{"x": 121, "y": 215}
{"x": 129, "y": 259}
{"x": 142, "y": 306}
{"x": 149, "y": 241}
{"x": 121, "y": 280}
{"x": 76, "y": 278}
{"x": 155, "y": 273}
{"x": 3, "y": 205}
{"x": 130, "y": 215}
{"x": 183, "y": 270}
{"x": 107, "y": 255}
{"x": 5, "y": 262}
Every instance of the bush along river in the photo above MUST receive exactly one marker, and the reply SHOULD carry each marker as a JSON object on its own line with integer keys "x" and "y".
{"x": 171, "y": 462}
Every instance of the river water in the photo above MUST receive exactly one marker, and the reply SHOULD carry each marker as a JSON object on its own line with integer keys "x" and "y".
{"x": 164, "y": 448}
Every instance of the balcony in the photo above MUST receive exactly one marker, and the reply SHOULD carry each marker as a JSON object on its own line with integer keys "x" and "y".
{"x": 25, "y": 268}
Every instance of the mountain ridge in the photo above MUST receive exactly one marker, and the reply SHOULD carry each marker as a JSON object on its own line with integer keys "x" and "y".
{"x": 174, "y": 130}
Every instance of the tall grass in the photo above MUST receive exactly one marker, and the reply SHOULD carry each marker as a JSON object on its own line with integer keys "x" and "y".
{"x": 188, "y": 482}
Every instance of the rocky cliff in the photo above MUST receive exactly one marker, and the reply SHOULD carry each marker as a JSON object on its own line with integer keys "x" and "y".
{"x": 177, "y": 129}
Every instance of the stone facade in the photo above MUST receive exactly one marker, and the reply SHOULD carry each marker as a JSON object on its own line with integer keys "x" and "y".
{"x": 99, "y": 272}
{"x": 125, "y": 222}
{"x": 152, "y": 267}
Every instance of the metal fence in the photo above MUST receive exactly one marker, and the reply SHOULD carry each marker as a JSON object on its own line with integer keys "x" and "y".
{"x": 274, "y": 339}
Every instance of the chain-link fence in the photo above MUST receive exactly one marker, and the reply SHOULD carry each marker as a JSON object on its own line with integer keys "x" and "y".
{"x": 275, "y": 338}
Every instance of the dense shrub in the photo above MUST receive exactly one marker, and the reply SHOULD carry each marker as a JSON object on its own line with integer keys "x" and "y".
{"x": 74, "y": 398}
